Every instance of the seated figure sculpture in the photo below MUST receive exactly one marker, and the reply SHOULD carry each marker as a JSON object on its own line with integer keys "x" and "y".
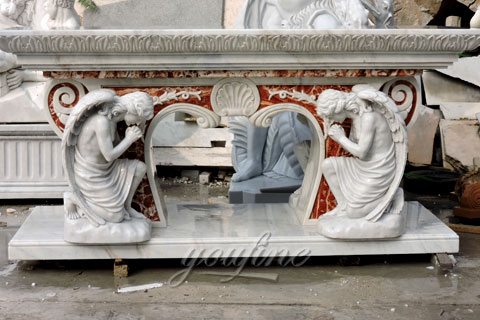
{"x": 98, "y": 208}
{"x": 60, "y": 14}
{"x": 366, "y": 186}
{"x": 10, "y": 12}
{"x": 10, "y": 77}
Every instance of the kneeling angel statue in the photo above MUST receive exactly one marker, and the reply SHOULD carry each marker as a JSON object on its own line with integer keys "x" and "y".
{"x": 366, "y": 185}
{"x": 98, "y": 207}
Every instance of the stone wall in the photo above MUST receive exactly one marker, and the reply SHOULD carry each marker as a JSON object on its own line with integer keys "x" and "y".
{"x": 418, "y": 13}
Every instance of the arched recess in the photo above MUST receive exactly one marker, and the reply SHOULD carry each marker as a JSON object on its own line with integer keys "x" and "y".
{"x": 303, "y": 200}
{"x": 205, "y": 119}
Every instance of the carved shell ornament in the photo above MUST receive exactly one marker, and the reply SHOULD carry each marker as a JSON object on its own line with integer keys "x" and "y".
{"x": 235, "y": 97}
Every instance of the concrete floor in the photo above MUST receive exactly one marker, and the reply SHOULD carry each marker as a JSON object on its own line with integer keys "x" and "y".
{"x": 383, "y": 287}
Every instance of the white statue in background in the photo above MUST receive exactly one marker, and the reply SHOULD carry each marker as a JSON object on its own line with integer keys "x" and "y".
{"x": 10, "y": 76}
{"x": 60, "y": 14}
{"x": 98, "y": 208}
{"x": 316, "y": 14}
{"x": 330, "y": 14}
{"x": 39, "y": 14}
{"x": 268, "y": 14}
{"x": 366, "y": 186}
{"x": 15, "y": 13}
{"x": 268, "y": 151}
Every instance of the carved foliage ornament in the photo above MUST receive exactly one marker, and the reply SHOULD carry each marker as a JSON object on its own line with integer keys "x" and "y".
{"x": 173, "y": 95}
{"x": 160, "y": 43}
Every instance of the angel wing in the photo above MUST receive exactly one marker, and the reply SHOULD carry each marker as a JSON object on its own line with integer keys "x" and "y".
{"x": 87, "y": 105}
{"x": 382, "y": 104}
{"x": 238, "y": 126}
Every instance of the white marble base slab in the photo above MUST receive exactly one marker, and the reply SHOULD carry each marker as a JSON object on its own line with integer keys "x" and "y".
{"x": 227, "y": 231}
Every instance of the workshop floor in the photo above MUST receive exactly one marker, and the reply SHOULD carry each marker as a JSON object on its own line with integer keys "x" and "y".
{"x": 384, "y": 287}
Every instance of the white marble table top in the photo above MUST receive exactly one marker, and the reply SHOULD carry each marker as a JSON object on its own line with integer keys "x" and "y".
{"x": 117, "y": 50}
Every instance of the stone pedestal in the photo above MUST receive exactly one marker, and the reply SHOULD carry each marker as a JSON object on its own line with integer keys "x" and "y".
{"x": 228, "y": 231}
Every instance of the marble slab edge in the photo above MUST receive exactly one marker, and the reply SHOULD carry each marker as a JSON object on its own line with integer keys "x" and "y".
{"x": 237, "y": 49}
{"x": 52, "y": 247}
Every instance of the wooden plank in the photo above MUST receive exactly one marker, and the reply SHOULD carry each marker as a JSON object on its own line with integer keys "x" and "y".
{"x": 204, "y": 157}
{"x": 464, "y": 228}
{"x": 120, "y": 268}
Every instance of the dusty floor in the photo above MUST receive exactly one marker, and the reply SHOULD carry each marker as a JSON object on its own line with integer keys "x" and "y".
{"x": 385, "y": 287}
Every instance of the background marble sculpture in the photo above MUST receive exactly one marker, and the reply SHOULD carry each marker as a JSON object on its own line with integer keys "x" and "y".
{"x": 60, "y": 14}
{"x": 15, "y": 13}
{"x": 315, "y": 14}
{"x": 10, "y": 78}
{"x": 98, "y": 208}
{"x": 39, "y": 14}
{"x": 278, "y": 142}
{"x": 366, "y": 186}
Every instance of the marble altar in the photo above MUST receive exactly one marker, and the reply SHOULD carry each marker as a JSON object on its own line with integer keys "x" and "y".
{"x": 178, "y": 70}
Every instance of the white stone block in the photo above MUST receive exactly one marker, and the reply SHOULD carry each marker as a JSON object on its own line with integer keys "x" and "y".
{"x": 188, "y": 134}
{"x": 460, "y": 141}
{"x": 202, "y": 157}
{"x": 190, "y": 174}
{"x": 421, "y": 135}
{"x": 460, "y": 110}
{"x": 440, "y": 88}
{"x": 23, "y": 104}
{"x": 467, "y": 69}
{"x": 204, "y": 177}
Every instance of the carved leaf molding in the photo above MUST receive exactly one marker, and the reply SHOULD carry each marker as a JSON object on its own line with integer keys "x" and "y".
{"x": 174, "y": 95}
{"x": 227, "y": 43}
